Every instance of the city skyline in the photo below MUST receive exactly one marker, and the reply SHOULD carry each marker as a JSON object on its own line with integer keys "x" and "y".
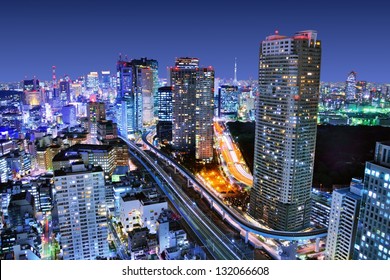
{"x": 150, "y": 156}
{"x": 79, "y": 37}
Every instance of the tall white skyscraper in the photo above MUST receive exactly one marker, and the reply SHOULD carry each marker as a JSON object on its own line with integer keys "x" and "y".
{"x": 286, "y": 127}
{"x": 344, "y": 214}
{"x": 80, "y": 197}
{"x": 373, "y": 237}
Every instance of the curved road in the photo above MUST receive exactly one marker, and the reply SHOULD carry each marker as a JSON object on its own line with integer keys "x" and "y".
{"x": 233, "y": 215}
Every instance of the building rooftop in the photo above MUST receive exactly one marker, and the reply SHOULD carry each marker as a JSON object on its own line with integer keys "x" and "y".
{"x": 77, "y": 168}
{"x": 114, "y": 142}
{"x": 90, "y": 148}
{"x": 66, "y": 155}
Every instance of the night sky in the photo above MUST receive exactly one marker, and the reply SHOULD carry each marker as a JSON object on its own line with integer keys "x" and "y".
{"x": 83, "y": 36}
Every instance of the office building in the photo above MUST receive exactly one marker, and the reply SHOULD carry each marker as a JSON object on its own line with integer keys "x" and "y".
{"x": 343, "y": 219}
{"x": 227, "y": 106}
{"x": 106, "y": 130}
{"x": 321, "y": 205}
{"x": 69, "y": 115}
{"x": 80, "y": 196}
{"x": 286, "y": 126}
{"x": 64, "y": 92}
{"x": 96, "y": 111}
{"x": 33, "y": 94}
{"x": 137, "y": 83}
{"x": 106, "y": 79}
{"x": 164, "y": 103}
{"x": 5, "y": 171}
{"x": 146, "y": 83}
{"x": 121, "y": 151}
{"x": 164, "y": 113}
{"x": 129, "y": 102}
{"x": 98, "y": 155}
{"x": 92, "y": 82}
{"x": 373, "y": 237}
{"x": 350, "y": 86}
{"x": 192, "y": 108}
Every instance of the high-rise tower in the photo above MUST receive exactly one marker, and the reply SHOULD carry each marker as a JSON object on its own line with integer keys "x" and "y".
{"x": 350, "y": 86}
{"x": 235, "y": 71}
{"x": 286, "y": 126}
{"x": 192, "y": 108}
{"x": 80, "y": 196}
{"x": 343, "y": 217}
{"x": 146, "y": 84}
{"x": 137, "y": 84}
{"x": 373, "y": 237}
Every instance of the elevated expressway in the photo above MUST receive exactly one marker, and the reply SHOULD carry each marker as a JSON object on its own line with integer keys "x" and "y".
{"x": 235, "y": 218}
{"x": 218, "y": 244}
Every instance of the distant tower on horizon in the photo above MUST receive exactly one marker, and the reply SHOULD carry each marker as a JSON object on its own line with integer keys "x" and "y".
{"x": 235, "y": 72}
{"x": 350, "y": 86}
{"x": 286, "y": 127}
{"x": 54, "y": 79}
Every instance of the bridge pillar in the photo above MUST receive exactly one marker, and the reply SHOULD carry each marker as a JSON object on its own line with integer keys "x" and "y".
{"x": 188, "y": 183}
{"x": 201, "y": 194}
{"x": 212, "y": 204}
{"x": 223, "y": 215}
{"x": 246, "y": 237}
{"x": 174, "y": 170}
{"x": 317, "y": 248}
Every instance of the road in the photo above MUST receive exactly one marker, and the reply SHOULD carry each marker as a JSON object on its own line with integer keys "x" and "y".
{"x": 216, "y": 242}
{"x": 231, "y": 155}
{"x": 234, "y": 217}
{"x": 120, "y": 249}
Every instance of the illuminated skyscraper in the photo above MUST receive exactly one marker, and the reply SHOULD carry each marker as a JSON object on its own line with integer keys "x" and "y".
{"x": 227, "y": 101}
{"x": 192, "y": 108}
{"x": 64, "y": 92}
{"x": 106, "y": 79}
{"x": 164, "y": 103}
{"x": 146, "y": 84}
{"x": 137, "y": 83}
{"x": 350, "y": 86}
{"x": 96, "y": 111}
{"x": 33, "y": 93}
{"x": 286, "y": 126}
{"x": 343, "y": 218}
{"x": 69, "y": 115}
{"x": 93, "y": 81}
{"x": 80, "y": 196}
{"x": 373, "y": 237}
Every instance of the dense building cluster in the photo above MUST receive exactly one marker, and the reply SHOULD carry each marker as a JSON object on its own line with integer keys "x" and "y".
{"x": 70, "y": 189}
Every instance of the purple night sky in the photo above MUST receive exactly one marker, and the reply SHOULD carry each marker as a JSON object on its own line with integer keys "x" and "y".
{"x": 83, "y": 36}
